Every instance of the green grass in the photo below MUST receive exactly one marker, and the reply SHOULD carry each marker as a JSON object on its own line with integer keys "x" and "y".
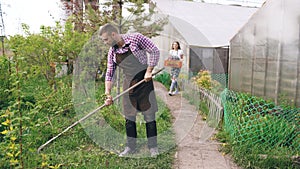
{"x": 50, "y": 113}
{"x": 255, "y": 136}
{"x": 77, "y": 150}
{"x": 248, "y": 156}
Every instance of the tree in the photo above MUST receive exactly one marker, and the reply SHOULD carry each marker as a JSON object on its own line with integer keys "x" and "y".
{"x": 76, "y": 9}
{"x": 39, "y": 51}
{"x": 143, "y": 20}
{"x": 91, "y": 17}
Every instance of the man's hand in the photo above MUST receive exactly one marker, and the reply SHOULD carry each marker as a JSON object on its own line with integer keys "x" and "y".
{"x": 148, "y": 76}
{"x": 108, "y": 100}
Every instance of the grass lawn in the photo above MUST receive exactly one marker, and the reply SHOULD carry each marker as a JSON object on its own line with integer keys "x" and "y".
{"x": 87, "y": 145}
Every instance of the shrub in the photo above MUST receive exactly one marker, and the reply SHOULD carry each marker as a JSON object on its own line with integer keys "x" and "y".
{"x": 164, "y": 78}
{"x": 4, "y": 82}
{"x": 203, "y": 79}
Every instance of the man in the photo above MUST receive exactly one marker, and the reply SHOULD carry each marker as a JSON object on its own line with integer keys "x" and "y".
{"x": 129, "y": 52}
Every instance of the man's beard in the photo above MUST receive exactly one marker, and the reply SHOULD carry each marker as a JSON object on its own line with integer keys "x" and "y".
{"x": 114, "y": 44}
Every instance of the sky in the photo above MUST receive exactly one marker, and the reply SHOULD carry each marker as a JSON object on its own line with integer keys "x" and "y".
{"x": 45, "y": 12}
{"x": 32, "y": 12}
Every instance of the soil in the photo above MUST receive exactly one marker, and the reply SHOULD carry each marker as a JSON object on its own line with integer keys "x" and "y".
{"x": 195, "y": 148}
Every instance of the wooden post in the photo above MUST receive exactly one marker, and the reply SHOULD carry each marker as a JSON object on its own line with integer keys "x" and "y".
{"x": 2, "y": 42}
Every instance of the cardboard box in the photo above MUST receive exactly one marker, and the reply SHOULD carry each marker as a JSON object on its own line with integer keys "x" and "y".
{"x": 173, "y": 63}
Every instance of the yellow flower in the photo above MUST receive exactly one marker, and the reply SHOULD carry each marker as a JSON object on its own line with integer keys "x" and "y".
{"x": 4, "y": 132}
{"x": 44, "y": 156}
{"x": 56, "y": 166}
{"x": 9, "y": 154}
{"x": 13, "y": 138}
{"x": 13, "y": 161}
{"x": 16, "y": 155}
{"x": 44, "y": 164}
{"x": 3, "y": 115}
{"x": 12, "y": 146}
{"x": 6, "y": 122}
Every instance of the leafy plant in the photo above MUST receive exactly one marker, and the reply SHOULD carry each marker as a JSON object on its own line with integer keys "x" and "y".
{"x": 4, "y": 82}
{"x": 52, "y": 45}
{"x": 13, "y": 118}
{"x": 204, "y": 80}
{"x": 164, "y": 78}
{"x": 38, "y": 104}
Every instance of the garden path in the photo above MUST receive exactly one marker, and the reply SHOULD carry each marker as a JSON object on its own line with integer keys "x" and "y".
{"x": 192, "y": 151}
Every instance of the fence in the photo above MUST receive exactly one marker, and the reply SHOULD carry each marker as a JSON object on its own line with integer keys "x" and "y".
{"x": 260, "y": 128}
{"x": 209, "y": 104}
{"x": 257, "y": 128}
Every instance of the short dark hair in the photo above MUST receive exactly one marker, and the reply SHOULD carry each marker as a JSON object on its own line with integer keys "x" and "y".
{"x": 107, "y": 28}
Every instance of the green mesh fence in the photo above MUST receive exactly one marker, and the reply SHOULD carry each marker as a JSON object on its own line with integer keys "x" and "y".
{"x": 221, "y": 78}
{"x": 260, "y": 127}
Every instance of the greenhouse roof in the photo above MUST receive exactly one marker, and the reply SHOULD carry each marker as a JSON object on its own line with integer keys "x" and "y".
{"x": 205, "y": 24}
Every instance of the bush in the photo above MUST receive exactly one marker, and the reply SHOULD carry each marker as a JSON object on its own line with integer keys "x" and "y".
{"x": 164, "y": 78}
{"x": 4, "y": 82}
{"x": 204, "y": 80}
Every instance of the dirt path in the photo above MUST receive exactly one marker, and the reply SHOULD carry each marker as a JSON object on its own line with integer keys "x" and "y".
{"x": 193, "y": 149}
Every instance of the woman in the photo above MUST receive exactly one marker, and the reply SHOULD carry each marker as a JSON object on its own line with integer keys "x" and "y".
{"x": 175, "y": 54}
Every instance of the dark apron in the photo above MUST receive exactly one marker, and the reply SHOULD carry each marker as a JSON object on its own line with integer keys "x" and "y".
{"x": 141, "y": 98}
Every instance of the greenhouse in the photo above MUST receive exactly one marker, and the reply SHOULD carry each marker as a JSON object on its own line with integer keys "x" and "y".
{"x": 265, "y": 53}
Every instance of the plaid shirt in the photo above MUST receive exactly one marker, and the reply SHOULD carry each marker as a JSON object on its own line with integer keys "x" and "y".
{"x": 139, "y": 45}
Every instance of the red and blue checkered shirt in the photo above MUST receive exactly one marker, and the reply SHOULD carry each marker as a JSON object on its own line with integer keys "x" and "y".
{"x": 139, "y": 45}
